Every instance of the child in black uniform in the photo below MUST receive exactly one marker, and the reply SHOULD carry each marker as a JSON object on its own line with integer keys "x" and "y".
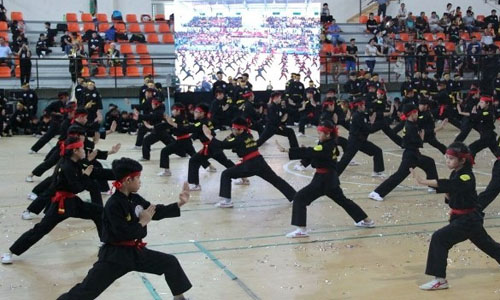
{"x": 323, "y": 157}
{"x": 252, "y": 163}
{"x": 69, "y": 180}
{"x": 466, "y": 218}
{"x": 125, "y": 219}
{"x": 412, "y": 142}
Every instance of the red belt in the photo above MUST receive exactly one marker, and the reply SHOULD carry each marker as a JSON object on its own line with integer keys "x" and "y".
{"x": 322, "y": 170}
{"x": 138, "y": 244}
{"x": 310, "y": 115}
{"x": 204, "y": 150}
{"x": 183, "y": 137}
{"x": 441, "y": 109}
{"x": 465, "y": 211}
{"x": 60, "y": 197}
{"x": 249, "y": 156}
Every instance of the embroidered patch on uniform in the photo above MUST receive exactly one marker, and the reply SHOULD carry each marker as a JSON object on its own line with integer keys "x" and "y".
{"x": 230, "y": 139}
{"x": 318, "y": 148}
{"x": 420, "y": 117}
{"x": 197, "y": 124}
{"x": 129, "y": 217}
{"x": 485, "y": 113}
{"x": 464, "y": 177}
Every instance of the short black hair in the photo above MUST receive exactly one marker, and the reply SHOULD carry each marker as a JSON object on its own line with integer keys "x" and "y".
{"x": 124, "y": 166}
{"x": 239, "y": 121}
{"x": 47, "y": 23}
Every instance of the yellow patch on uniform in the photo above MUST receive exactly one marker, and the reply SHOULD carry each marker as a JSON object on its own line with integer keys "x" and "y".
{"x": 464, "y": 177}
{"x": 129, "y": 218}
{"x": 318, "y": 148}
{"x": 173, "y": 119}
{"x": 420, "y": 117}
{"x": 230, "y": 139}
{"x": 197, "y": 124}
{"x": 379, "y": 102}
{"x": 485, "y": 113}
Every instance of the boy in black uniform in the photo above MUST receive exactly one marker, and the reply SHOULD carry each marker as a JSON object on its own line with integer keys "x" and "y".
{"x": 209, "y": 150}
{"x": 183, "y": 144}
{"x": 484, "y": 117}
{"x": 464, "y": 109}
{"x": 445, "y": 108}
{"x": 30, "y": 98}
{"x": 353, "y": 86}
{"x": 93, "y": 105}
{"x": 160, "y": 130}
{"x": 307, "y": 113}
{"x": 466, "y": 217}
{"x": 493, "y": 189}
{"x": 145, "y": 107}
{"x": 323, "y": 157}
{"x": 252, "y": 163}
{"x": 69, "y": 180}
{"x": 220, "y": 110}
{"x": 358, "y": 140}
{"x": 80, "y": 88}
{"x": 379, "y": 107}
{"x": 412, "y": 141}
{"x": 219, "y": 84}
{"x": 250, "y": 114}
{"x": 56, "y": 111}
{"x": 440, "y": 52}
{"x": 427, "y": 124}
{"x": 276, "y": 122}
{"x": 125, "y": 219}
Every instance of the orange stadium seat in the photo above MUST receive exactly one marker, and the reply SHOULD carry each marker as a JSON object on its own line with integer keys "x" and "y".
{"x": 86, "y": 17}
{"x": 88, "y": 26}
{"x": 134, "y": 28}
{"x": 71, "y": 17}
{"x": 147, "y": 70}
{"x": 480, "y": 18}
{"x": 450, "y": 46}
{"x": 441, "y": 35}
{"x": 141, "y": 49}
{"x": 101, "y": 72}
{"x": 363, "y": 19}
{"x": 327, "y": 48}
{"x": 478, "y": 35}
{"x": 404, "y": 36}
{"x": 18, "y": 71}
{"x": 116, "y": 71}
{"x": 5, "y": 36}
{"x": 168, "y": 38}
{"x": 133, "y": 71}
{"x": 149, "y": 28}
{"x": 159, "y": 17}
{"x": 16, "y": 16}
{"x": 153, "y": 38}
{"x": 400, "y": 47}
{"x": 120, "y": 27}
{"x": 4, "y": 26}
{"x": 126, "y": 49}
{"x": 85, "y": 72}
{"x": 103, "y": 27}
{"x": 164, "y": 28}
{"x": 145, "y": 60}
{"x": 130, "y": 60}
{"x": 429, "y": 37}
{"x": 497, "y": 43}
{"x": 103, "y": 18}
{"x": 4, "y": 72}
{"x": 465, "y": 36}
{"x": 106, "y": 47}
{"x": 377, "y": 18}
{"x": 131, "y": 18}
{"x": 73, "y": 27}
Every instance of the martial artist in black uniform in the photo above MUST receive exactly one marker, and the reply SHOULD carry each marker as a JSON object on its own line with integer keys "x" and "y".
{"x": 125, "y": 221}
{"x": 323, "y": 157}
{"x": 485, "y": 118}
{"x": 160, "y": 130}
{"x": 466, "y": 217}
{"x": 427, "y": 124}
{"x": 412, "y": 142}
{"x": 379, "y": 106}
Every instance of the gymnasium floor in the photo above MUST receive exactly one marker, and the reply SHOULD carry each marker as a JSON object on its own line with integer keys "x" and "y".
{"x": 242, "y": 253}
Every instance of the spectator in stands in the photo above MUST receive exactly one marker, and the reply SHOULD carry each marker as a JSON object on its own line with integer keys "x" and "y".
{"x": 371, "y": 51}
{"x": 24, "y": 55}
{"x": 458, "y": 12}
{"x": 473, "y": 52}
{"x": 113, "y": 56}
{"x": 16, "y": 29}
{"x": 95, "y": 44}
{"x": 3, "y": 13}
{"x": 351, "y": 56}
{"x": 445, "y": 23}
{"x": 6, "y": 55}
{"x": 458, "y": 22}
{"x": 488, "y": 34}
{"x": 492, "y": 19}
{"x": 434, "y": 23}
{"x": 454, "y": 33}
{"x": 410, "y": 48}
{"x": 440, "y": 53}
{"x": 382, "y": 7}
{"x": 421, "y": 25}
{"x": 18, "y": 43}
{"x": 371, "y": 24}
{"x": 402, "y": 13}
{"x": 334, "y": 31}
{"x": 325, "y": 14}
{"x": 50, "y": 33}
{"x": 75, "y": 61}
{"x": 41, "y": 46}
{"x": 337, "y": 53}
{"x": 410, "y": 23}
{"x": 449, "y": 10}
{"x": 469, "y": 21}
{"x": 459, "y": 57}
{"x": 66, "y": 42}
{"x": 422, "y": 53}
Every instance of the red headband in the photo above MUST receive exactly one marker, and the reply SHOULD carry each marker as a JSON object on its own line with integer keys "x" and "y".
{"x": 238, "y": 126}
{"x": 178, "y": 107}
{"x": 327, "y": 130}
{"x": 119, "y": 183}
{"x": 199, "y": 109}
{"x": 405, "y": 116}
{"x": 356, "y": 104}
{"x": 328, "y": 103}
{"x": 486, "y": 99}
{"x": 247, "y": 94}
{"x": 467, "y": 156}
{"x": 156, "y": 102}
{"x": 381, "y": 91}
{"x": 64, "y": 147}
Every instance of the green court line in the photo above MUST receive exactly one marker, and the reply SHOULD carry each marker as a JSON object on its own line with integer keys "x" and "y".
{"x": 345, "y": 229}
{"x": 231, "y": 275}
{"x": 151, "y": 289}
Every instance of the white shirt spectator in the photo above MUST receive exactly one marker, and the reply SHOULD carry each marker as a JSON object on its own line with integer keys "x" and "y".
{"x": 5, "y": 51}
{"x": 371, "y": 51}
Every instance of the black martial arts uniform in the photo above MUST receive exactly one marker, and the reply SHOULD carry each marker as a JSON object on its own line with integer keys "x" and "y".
{"x": 275, "y": 125}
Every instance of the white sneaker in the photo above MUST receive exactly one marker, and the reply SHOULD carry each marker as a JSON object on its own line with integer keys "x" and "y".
{"x": 431, "y": 190}
{"x": 32, "y": 196}
{"x": 7, "y": 258}
{"x": 135, "y": 148}
{"x": 299, "y": 167}
{"x": 194, "y": 187}
{"x": 26, "y": 215}
{"x": 354, "y": 163}
{"x": 297, "y": 233}
{"x": 435, "y": 284}
{"x": 133, "y": 133}
{"x": 225, "y": 204}
{"x": 378, "y": 175}
{"x": 29, "y": 178}
{"x": 300, "y": 134}
{"x": 241, "y": 181}
{"x": 365, "y": 224}
{"x": 375, "y": 196}
{"x": 165, "y": 172}
{"x": 31, "y": 152}
{"x": 211, "y": 169}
